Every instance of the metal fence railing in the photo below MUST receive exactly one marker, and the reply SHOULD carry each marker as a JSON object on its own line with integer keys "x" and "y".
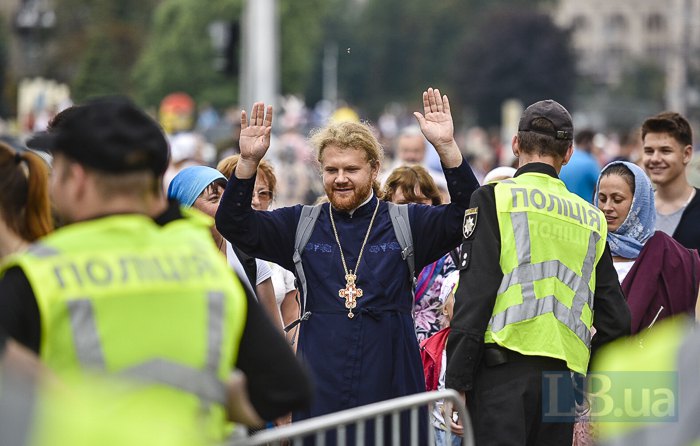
{"x": 395, "y": 422}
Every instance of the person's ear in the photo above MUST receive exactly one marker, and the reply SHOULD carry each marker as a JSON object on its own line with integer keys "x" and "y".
{"x": 515, "y": 146}
{"x": 81, "y": 180}
{"x": 687, "y": 154}
{"x": 375, "y": 169}
{"x": 568, "y": 154}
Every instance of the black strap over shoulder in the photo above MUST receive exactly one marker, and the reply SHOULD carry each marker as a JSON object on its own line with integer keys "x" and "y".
{"x": 250, "y": 266}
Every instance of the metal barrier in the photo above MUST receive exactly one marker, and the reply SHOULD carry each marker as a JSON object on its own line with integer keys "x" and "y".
{"x": 314, "y": 430}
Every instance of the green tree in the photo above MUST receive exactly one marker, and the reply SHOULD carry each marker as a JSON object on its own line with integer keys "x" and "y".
{"x": 398, "y": 47}
{"x": 179, "y": 55}
{"x": 514, "y": 53}
{"x": 301, "y": 34}
{"x": 96, "y": 43}
{"x": 96, "y": 73}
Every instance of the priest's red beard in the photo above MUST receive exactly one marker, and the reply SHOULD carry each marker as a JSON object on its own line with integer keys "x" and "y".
{"x": 349, "y": 200}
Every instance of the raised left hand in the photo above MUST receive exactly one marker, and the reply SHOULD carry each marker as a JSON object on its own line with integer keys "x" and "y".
{"x": 438, "y": 128}
{"x": 436, "y": 122}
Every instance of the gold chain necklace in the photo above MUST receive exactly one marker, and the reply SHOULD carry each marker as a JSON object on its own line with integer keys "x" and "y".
{"x": 351, "y": 292}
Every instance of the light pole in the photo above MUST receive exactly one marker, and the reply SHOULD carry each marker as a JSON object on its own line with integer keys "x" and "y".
{"x": 33, "y": 20}
{"x": 677, "y": 66}
{"x": 259, "y": 77}
{"x": 330, "y": 74}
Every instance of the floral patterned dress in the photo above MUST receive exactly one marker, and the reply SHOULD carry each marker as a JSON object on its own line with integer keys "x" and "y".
{"x": 427, "y": 309}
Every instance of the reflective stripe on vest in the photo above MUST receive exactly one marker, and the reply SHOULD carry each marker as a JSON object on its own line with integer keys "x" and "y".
{"x": 156, "y": 305}
{"x": 42, "y": 250}
{"x": 551, "y": 241}
{"x": 88, "y": 347}
{"x": 203, "y": 384}
{"x": 527, "y": 273}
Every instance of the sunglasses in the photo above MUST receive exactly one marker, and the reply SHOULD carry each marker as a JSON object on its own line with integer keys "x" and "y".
{"x": 263, "y": 195}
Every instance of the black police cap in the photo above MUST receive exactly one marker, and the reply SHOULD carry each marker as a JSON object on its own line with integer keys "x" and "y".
{"x": 553, "y": 112}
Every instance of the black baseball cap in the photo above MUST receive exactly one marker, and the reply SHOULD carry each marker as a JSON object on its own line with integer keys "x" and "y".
{"x": 553, "y": 112}
{"x": 109, "y": 134}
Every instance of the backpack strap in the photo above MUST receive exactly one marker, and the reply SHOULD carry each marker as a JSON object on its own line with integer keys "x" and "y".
{"x": 250, "y": 266}
{"x": 402, "y": 228}
{"x": 305, "y": 226}
{"x": 307, "y": 221}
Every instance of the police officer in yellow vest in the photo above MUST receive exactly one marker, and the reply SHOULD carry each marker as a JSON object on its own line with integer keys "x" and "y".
{"x": 645, "y": 389}
{"x": 118, "y": 293}
{"x": 536, "y": 276}
{"x": 37, "y": 409}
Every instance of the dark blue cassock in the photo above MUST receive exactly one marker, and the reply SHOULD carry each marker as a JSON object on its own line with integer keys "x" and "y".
{"x": 373, "y": 356}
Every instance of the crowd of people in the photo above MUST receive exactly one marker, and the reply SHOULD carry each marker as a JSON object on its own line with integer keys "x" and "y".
{"x": 203, "y": 294}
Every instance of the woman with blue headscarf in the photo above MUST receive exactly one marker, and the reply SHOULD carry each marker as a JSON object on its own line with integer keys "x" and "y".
{"x": 659, "y": 276}
{"x": 201, "y": 187}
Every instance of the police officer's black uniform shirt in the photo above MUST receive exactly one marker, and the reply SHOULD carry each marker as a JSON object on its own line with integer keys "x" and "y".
{"x": 276, "y": 382}
{"x": 480, "y": 278}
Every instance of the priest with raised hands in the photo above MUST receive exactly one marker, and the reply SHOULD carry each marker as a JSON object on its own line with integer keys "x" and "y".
{"x": 356, "y": 328}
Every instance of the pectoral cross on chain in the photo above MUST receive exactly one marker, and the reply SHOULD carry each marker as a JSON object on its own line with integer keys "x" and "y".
{"x": 350, "y": 293}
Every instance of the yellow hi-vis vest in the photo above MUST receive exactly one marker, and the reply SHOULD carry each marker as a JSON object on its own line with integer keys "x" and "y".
{"x": 551, "y": 241}
{"x": 648, "y": 391}
{"x": 156, "y": 306}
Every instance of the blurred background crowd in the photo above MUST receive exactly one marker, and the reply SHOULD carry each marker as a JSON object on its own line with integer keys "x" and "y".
{"x": 187, "y": 62}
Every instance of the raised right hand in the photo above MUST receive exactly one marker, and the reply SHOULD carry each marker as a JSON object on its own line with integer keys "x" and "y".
{"x": 255, "y": 135}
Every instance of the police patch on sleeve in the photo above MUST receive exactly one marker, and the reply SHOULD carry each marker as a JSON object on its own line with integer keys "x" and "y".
{"x": 469, "y": 222}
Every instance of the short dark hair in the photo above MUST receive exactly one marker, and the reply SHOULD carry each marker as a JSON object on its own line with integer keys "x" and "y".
{"x": 220, "y": 182}
{"x": 540, "y": 143}
{"x": 584, "y": 138}
{"x": 672, "y": 123}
